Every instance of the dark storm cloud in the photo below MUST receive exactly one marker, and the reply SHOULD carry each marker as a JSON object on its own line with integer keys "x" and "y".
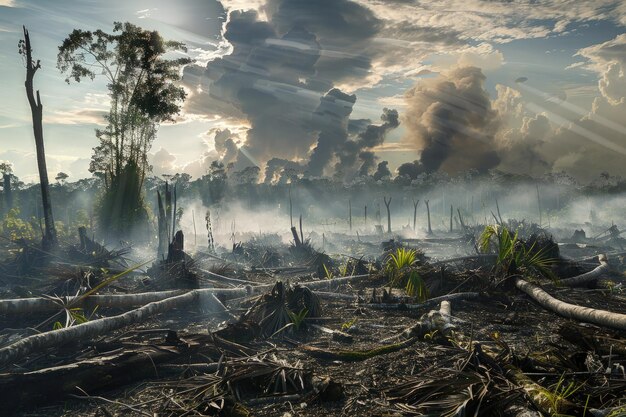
{"x": 343, "y": 28}
{"x": 451, "y": 119}
{"x": 332, "y": 117}
{"x": 382, "y": 171}
{"x": 280, "y": 75}
{"x": 368, "y": 163}
{"x": 371, "y": 137}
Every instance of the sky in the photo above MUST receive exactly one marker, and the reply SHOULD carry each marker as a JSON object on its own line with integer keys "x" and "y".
{"x": 344, "y": 88}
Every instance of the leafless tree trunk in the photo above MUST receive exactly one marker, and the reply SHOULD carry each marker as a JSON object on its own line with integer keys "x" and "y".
{"x": 387, "y": 203}
{"x": 430, "y": 230}
{"x": 50, "y": 237}
{"x": 350, "y": 214}
{"x": 415, "y": 203}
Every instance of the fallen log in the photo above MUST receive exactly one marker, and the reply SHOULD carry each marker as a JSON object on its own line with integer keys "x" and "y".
{"x": 587, "y": 277}
{"x": 109, "y": 370}
{"x": 586, "y": 314}
{"x": 334, "y": 281}
{"x": 433, "y": 321}
{"x": 42, "y": 304}
{"x": 101, "y": 326}
{"x": 426, "y": 304}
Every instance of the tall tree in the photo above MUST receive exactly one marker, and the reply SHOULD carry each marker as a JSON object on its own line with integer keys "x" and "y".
{"x": 143, "y": 92}
{"x": 36, "y": 108}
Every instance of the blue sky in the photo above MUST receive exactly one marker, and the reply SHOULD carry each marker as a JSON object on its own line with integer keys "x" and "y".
{"x": 382, "y": 52}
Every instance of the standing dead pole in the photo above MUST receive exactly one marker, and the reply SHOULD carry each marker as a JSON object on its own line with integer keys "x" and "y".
{"x": 498, "y": 211}
{"x": 539, "y": 204}
{"x": 387, "y": 203}
{"x": 415, "y": 203}
{"x": 290, "y": 208}
{"x": 461, "y": 219}
{"x": 430, "y": 230}
{"x": 193, "y": 218}
{"x": 366, "y": 215}
{"x": 301, "y": 234}
{"x": 350, "y": 214}
{"x": 174, "y": 214}
{"x": 50, "y": 238}
{"x": 451, "y": 211}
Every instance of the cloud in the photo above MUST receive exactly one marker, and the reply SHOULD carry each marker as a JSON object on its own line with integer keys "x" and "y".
{"x": 451, "y": 119}
{"x": 163, "y": 162}
{"x": 25, "y": 165}
{"x": 280, "y": 76}
{"x": 76, "y": 117}
{"x": 492, "y": 21}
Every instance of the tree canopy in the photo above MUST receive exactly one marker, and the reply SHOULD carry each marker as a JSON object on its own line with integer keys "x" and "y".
{"x": 141, "y": 83}
{"x": 143, "y": 93}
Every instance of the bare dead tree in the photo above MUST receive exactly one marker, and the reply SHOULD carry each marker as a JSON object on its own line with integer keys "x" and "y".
{"x": 387, "y": 203}
{"x": 350, "y": 214}
{"x": 451, "y": 211}
{"x": 366, "y": 215}
{"x": 50, "y": 237}
{"x": 415, "y": 203}
{"x": 430, "y": 230}
{"x": 290, "y": 207}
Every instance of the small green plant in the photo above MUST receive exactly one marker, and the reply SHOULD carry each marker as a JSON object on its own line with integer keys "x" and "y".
{"x": 328, "y": 274}
{"x": 416, "y": 287}
{"x": 398, "y": 268}
{"x": 298, "y": 318}
{"x": 403, "y": 258}
{"x": 73, "y": 316}
{"x": 348, "y": 325}
{"x": 343, "y": 270}
{"x": 512, "y": 253}
{"x": 558, "y": 394}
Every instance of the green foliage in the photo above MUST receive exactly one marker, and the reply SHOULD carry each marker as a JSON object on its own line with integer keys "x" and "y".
{"x": 16, "y": 228}
{"x": 402, "y": 258}
{"x": 121, "y": 207}
{"x": 416, "y": 287}
{"x": 399, "y": 268}
{"x": 328, "y": 274}
{"x": 512, "y": 253}
{"x": 298, "y": 318}
{"x": 144, "y": 92}
{"x": 343, "y": 270}
{"x": 348, "y": 324}
{"x": 558, "y": 394}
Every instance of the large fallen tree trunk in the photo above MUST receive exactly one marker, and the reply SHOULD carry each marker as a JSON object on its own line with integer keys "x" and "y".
{"x": 115, "y": 369}
{"x": 42, "y": 304}
{"x": 586, "y": 314}
{"x": 98, "y": 327}
{"x": 36, "y": 305}
{"x": 587, "y": 277}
